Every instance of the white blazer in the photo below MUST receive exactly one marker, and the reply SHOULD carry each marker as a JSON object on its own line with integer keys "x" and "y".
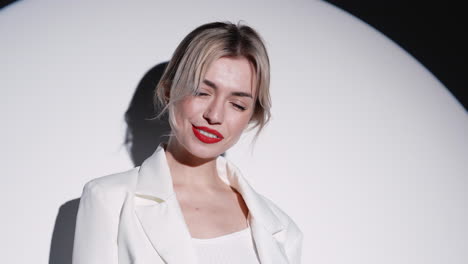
{"x": 134, "y": 217}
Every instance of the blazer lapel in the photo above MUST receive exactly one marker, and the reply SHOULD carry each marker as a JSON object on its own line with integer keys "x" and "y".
{"x": 268, "y": 249}
{"x": 263, "y": 222}
{"x": 159, "y": 213}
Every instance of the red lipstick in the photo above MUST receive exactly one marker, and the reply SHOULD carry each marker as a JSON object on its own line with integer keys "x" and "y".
{"x": 201, "y": 133}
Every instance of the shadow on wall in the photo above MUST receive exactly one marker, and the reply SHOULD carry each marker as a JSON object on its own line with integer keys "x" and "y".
{"x": 61, "y": 246}
{"x": 144, "y": 131}
{"x": 144, "y": 134}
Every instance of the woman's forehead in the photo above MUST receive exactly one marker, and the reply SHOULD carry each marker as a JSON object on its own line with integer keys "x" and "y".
{"x": 231, "y": 73}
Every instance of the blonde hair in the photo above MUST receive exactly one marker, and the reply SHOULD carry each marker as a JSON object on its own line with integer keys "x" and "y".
{"x": 203, "y": 46}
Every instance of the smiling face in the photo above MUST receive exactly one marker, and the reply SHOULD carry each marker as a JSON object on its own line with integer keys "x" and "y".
{"x": 208, "y": 123}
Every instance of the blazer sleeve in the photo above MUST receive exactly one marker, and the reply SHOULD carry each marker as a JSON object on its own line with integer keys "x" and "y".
{"x": 96, "y": 228}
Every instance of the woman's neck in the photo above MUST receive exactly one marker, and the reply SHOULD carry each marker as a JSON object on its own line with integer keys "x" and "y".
{"x": 189, "y": 170}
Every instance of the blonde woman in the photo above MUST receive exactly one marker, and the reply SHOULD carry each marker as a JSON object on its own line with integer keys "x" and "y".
{"x": 186, "y": 203}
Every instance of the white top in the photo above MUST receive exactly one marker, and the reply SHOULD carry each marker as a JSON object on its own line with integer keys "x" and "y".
{"x": 237, "y": 247}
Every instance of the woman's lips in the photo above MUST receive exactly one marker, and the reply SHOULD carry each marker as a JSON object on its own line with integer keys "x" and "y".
{"x": 207, "y": 135}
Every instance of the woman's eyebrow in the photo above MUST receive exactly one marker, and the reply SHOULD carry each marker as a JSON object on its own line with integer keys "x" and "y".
{"x": 213, "y": 85}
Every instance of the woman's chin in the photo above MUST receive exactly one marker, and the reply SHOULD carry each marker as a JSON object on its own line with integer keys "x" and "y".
{"x": 194, "y": 149}
{"x": 206, "y": 151}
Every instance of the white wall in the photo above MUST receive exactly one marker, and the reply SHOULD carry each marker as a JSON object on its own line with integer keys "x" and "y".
{"x": 367, "y": 151}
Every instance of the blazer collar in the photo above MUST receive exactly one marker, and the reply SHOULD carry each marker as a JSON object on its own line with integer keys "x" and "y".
{"x": 165, "y": 216}
{"x": 154, "y": 176}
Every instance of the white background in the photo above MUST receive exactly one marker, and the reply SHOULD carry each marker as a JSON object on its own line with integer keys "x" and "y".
{"x": 367, "y": 151}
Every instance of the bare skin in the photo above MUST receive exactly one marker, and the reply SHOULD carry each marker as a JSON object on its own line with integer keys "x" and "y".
{"x": 210, "y": 207}
{"x": 224, "y": 102}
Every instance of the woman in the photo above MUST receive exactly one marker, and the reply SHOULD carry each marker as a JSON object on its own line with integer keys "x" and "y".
{"x": 187, "y": 203}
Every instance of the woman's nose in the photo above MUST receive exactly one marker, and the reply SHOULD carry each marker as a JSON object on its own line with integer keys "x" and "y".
{"x": 214, "y": 113}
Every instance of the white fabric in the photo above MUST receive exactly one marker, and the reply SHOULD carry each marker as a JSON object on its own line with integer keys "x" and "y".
{"x": 134, "y": 217}
{"x": 233, "y": 248}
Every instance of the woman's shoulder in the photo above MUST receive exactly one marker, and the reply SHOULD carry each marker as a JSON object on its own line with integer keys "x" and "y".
{"x": 289, "y": 224}
{"x": 291, "y": 236}
{"x": 284, "y": 219}
{"x": 111, "y": 186}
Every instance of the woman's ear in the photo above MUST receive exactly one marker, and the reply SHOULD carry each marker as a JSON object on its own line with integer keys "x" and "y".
{"x": 253, "y": 119}
{"x": 255, "y": 112}
{"x": 167, "y": 95}
{"x": 167, "y": 92}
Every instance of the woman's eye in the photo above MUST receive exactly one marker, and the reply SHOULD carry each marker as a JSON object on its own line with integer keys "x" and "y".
{"x": 201, "y": 94}
{"x": 240, "y": 107}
